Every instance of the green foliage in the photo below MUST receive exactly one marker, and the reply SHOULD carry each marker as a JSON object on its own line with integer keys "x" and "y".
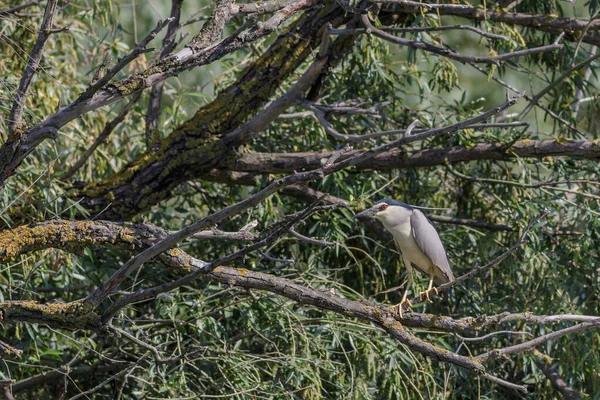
{"x": 224, "y": 341}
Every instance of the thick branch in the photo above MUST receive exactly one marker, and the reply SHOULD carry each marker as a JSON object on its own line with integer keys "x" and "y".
{"x": 13, "y": 152}
{"x": 573, "y": 27}
{"x": 330, "y": 167}
{"x": 567, "y": 392}
{"x": 398, "y": 158}
{"x": 74, "y": 314}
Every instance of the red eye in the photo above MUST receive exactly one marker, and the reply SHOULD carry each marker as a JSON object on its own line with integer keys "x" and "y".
{"x": 383, "y": 207}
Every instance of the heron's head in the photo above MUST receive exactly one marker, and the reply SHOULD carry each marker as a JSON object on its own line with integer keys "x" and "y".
{"x": 387, "y": 211}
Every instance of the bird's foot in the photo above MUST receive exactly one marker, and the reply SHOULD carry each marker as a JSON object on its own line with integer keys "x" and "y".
{"x": 398, "y": 307}
{"x": 426, "y": 294}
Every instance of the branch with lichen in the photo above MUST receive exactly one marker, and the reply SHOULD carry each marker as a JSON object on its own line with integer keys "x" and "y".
{"x": 107, "y": 234}
{"x": 101, "y": 93}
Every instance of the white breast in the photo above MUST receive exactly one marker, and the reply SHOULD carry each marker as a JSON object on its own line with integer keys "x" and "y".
{"x": 408, "y": 246}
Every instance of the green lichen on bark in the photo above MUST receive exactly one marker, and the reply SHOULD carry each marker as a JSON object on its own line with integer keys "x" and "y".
{"x": 71, "y": 236}
{"x": 23, "y": 239}
{"x": 74, "y": 315}
{"x": 195, "y": 146}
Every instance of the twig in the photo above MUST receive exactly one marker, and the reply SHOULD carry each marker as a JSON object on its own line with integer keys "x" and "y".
{"x": 15, "y": 117}
{"x": 489, "y": 335}
{"x": 520, "y": 388}
{"x": 18, "y": 8}
{"x": 422, "y": 29}
{"x": 202, "y": 269}
{"x": 449, "y": 53}
{"x": 531, "y": 344}
{"x": 428, "y": 6}
{"x": 139, "y": 49}
{"x": 554, "y": 83}
{"x": 275, "y": 259}
{"x": 262, "y": 7}
{"x": 497, "y": 260}
{"x": 528, "y": 317}
{"x": 145, "y": 345}
{"x": 153, "y": 112}
{"x": 310, "y": 240}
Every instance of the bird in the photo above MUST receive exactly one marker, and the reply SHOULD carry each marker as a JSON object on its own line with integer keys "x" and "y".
{"x": 418, "y": 241}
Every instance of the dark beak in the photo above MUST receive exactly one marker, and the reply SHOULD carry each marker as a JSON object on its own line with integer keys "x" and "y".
{"x": 368, "y": 213}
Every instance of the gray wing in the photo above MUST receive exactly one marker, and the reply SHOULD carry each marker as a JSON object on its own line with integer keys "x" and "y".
{"x": 430, "y": 243}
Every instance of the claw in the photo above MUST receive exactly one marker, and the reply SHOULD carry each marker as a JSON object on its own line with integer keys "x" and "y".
{"x": 398, "y": 307}
{"x": 426, "y": 293}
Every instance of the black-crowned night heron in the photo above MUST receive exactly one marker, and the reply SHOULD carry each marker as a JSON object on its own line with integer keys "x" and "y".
{"x": 417, "y": 240}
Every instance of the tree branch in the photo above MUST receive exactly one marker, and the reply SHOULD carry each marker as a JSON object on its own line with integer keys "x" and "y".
{"x": 13, "y": 152}
{"x": 567, "y": 392}
{"x": 15, "y": 9}
{"x": 15, "y": 117}
{"x": 449, "y": 53}
{"x": 275, "y": 163}
{"x": 153, "y": 112}
{"x": 573, "y": 27}
{"x": 531, "y": 344}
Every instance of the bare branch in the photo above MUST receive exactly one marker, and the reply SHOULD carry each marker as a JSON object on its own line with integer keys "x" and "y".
{"x": 423, "y": 29}
{"x": 449, "y": 53}
{"x": 428, "y": 6}
{"x": 398, "y": 158}
{"x": 139, "y": 49}
{"x": 567, "y": 392}
{"x": 153, "y": 112}
{"x": 489, "y": 335}
{"x": 15, "y": 118}
{"x": 554, "y": 83}
{"x": 310, "y": 240}
{"x": 18, "y": 8}
{"x": 531, "y": 344}
{"x": 495, "y": 379}
{"x": 262, "y": 7}
{"x": 577, "y": 29}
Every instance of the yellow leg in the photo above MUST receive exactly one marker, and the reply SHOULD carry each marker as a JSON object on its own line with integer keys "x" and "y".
{"x": 429, "y": 289}
{"x": 409, "y": 281}
{"x": 398, "y": 307}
